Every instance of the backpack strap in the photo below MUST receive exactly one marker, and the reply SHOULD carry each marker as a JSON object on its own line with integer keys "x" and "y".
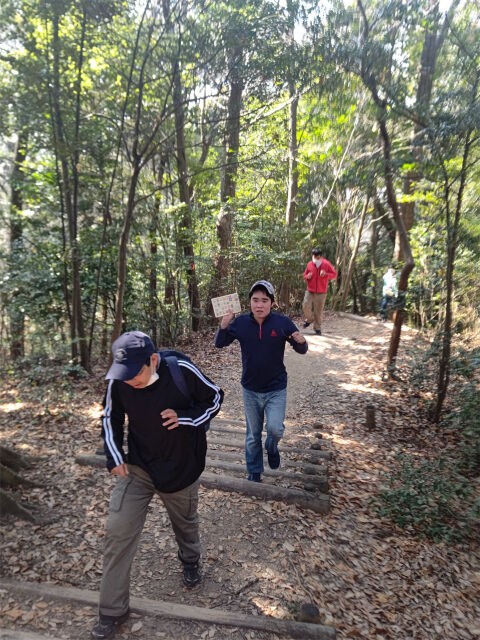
{"x": 179, "y": 379}
{"x": 177, "y": 375}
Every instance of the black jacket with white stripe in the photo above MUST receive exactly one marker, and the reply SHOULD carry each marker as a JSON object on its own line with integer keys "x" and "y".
{"x": 173, "y": 459}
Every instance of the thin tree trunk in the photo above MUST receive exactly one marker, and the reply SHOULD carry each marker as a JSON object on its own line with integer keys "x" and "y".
{"x": 452, "y": 238}
{"x": 186, "y": 233}
{"x": 351, "y": 264}
{"x": 69, "y": 188}
{"x": 136, "y": 167}
{"x": 64, "y": 175}
{"x": 432, "y": 44}
{"x": 16, "y": 315}
{"x": 292, "y": 191}
{"x": 123, "y": 250}
{"x": 399, "y": 315}
{"x": 382, "y": 115}
{"x": 76, "y": 252}
{"x": 229, "y": 173}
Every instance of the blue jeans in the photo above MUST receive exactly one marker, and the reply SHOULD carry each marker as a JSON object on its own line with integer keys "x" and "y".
{"x": 385, "y": 305}
{"x": 259, "y": 406}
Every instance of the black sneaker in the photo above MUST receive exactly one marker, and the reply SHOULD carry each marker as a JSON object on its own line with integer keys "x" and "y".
{"x": 255, "y": 477}
{"x": 306, "y": 324}
{"x": 191, "y": 575}
{"x": 318, "y": 332}
{"x": 106, "y": 627}
{"x": 273, "y": 454}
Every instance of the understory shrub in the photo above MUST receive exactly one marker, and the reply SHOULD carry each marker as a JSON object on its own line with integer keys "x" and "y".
{"x": 431, "y": 499}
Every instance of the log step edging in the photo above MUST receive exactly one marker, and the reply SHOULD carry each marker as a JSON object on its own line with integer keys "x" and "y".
{"x": 320, "y": 482}
{"x": 318, "y": 502}
{"x": 14, "y": 634}
{"x": 144, "y": 606}
{"x": 220, "y": 439}
{"x": 309, "y": 468}
{"x": 317, "y": 479}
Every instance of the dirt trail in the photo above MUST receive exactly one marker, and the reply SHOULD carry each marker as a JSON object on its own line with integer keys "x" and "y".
{"x": 263, "y": 558}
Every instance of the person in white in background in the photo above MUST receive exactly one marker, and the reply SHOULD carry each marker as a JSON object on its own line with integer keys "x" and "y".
{"x": 389, "y": 291}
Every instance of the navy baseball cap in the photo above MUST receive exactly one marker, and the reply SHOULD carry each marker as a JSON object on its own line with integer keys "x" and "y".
{"x": 265, "y": 285}
{"x": 130, "y": 352}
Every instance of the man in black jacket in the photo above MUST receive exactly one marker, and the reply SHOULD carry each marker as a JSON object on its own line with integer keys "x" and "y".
{"x": 166, "y": 455}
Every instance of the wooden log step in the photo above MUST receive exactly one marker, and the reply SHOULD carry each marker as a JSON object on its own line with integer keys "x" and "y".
{"x": 314, "y": 474}
{"x": 13, "y": 634}
{"x": 318, "y": 502}
{"x": 319, "y": 482}
{"x": 310, "y": 469}
{"x": 218, "y": 438}
{"x": 238, "y": 431}
{"x": 144, "y": 606}
{"x": 306, "y": 467}
{"x": 226, "y": 420}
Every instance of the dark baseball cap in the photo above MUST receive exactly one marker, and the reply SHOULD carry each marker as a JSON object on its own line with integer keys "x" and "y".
{"x": 130, "y": 352}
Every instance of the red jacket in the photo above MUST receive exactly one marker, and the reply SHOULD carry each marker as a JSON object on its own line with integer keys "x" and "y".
{"x": 318, "y": 283}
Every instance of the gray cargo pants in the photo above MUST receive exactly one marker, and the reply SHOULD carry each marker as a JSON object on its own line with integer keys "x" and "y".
{"x": 127, "y": 512}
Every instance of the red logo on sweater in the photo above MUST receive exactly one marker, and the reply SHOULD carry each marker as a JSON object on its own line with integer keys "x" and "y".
{"x": 273, "y": 333}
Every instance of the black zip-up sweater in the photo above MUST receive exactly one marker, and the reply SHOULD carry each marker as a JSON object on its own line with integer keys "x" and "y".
{"x": 173, "y": 459}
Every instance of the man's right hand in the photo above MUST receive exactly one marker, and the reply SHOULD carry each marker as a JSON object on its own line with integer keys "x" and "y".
{"x": 226, "y": 320}
{"x": 121, "y": 470}
{"x": 309, "y": 276}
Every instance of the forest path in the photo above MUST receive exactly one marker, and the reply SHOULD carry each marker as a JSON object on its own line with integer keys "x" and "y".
{"x": 260, "y": 557}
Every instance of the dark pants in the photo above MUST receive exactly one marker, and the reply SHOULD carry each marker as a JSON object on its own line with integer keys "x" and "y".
{"x": 385, "y": 304}
{"x": 127, "y": 512}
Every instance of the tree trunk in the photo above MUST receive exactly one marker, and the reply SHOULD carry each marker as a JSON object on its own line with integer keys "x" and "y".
{"x": 229, "y": 172}
{"x": 186, "y": 231}
{"x": 16, "y": 315}
{"x": 399, "y": 314}
{"x": 382, "y": 115}
{"x": 69, "y": 187}
{"x": 136, "y": 167}
{"x": 452, "y": 239}
{"x": 431, "y": 47}
{"x": 292, "y": 187}
{"x": 123, "y": 250}
{"x": 292, "y": 190}
{"x": 346, "y": 281}
{"x": 76, "y": 252}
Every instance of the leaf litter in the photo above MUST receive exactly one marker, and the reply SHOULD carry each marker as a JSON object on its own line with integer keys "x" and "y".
{"x": 367, "y": 579}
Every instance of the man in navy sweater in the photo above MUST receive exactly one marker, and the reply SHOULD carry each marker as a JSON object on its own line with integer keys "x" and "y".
{"x": 166, "y": 455}
{"x": 262, "y": 335}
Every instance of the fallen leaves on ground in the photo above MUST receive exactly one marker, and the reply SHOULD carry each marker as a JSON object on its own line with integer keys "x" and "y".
{"x": 366, "y": 578}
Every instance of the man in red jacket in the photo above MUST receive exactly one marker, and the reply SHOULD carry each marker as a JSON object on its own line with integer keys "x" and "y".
{"x": 317, "y": 274}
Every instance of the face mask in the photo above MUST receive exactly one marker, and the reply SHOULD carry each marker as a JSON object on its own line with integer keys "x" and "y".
{"x": 317, "y": 262}
{"x": 153, "y": 378}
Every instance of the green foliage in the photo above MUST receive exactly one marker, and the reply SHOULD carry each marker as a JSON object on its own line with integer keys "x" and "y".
{"x": 126, "y": 56}
{"x": 428, "y": 498}
{"x": 466, "y": 419}
{"x": 438, "y": 498}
